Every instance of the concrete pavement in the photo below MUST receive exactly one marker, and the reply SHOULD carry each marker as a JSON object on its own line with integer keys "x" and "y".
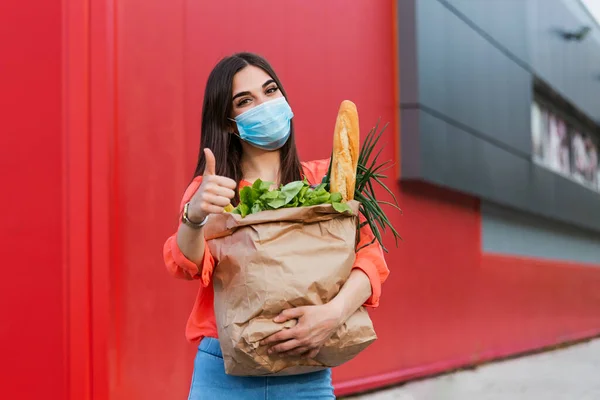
{"x": 571, "y": 373}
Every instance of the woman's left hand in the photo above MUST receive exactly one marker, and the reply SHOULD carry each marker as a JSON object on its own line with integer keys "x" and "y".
{"x": 315, "y": 325}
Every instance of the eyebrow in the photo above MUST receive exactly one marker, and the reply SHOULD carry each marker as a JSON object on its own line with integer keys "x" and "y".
{"x": 267, "y": 83}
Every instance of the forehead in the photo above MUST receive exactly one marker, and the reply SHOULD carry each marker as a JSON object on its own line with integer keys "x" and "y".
{"x": 249, "y": 79}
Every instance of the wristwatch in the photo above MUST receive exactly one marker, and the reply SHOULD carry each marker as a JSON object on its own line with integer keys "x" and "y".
{"x": 186, "y": 220}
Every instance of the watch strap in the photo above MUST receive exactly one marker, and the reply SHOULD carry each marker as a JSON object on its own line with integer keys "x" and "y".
{"x": 186, "y": 220}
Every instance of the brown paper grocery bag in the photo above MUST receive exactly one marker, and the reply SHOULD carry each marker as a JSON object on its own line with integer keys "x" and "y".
{"x": 274, "y": 260}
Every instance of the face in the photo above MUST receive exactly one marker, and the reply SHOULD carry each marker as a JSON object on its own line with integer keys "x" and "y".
{"x": 251, "y": 87}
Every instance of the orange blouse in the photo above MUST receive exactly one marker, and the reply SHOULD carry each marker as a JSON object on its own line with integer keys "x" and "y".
{"x": 202, "y": 322}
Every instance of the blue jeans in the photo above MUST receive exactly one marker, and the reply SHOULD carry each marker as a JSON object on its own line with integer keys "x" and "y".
{"x": 210, "y": 381}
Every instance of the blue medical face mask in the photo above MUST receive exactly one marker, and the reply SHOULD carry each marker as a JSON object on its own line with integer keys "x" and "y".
{"x": 266, "y": 126}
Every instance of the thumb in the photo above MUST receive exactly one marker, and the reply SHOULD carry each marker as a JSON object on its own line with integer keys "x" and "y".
{"x": 210, "y": 164}
{"x": 290, "y": 313}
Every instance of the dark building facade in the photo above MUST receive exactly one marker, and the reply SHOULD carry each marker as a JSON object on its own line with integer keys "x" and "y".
{"x": 470, "y": 72}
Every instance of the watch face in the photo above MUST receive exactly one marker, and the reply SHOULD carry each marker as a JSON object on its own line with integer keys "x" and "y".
{"x": 184, "y": 216}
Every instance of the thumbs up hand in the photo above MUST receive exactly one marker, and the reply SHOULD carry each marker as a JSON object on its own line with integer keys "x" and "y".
{"x": 214, "y": 194}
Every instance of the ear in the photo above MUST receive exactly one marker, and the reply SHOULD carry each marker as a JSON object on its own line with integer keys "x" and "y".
{"x": 232, "y": 127}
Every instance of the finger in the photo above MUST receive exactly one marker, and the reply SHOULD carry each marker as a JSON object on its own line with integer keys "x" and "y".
{"x": 211, "y": 163}
{"x": 312, "y": 353}
{"x": 298, "y": 351}
{"x": 220, "y": 181}
{"x": 280, "y": 336}
{"x": 225, "y": 182}
{"x": 285, "y": 347}
{"x": 220, "y": 191}
{"x": 213, "y": 199}
{"x": 290, "y": 313}
{"x": 211, "y": 208}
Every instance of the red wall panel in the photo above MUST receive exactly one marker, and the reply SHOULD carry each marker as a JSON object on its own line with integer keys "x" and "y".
{"x": 31, "y": 214}
{"x": 152, "y": 359}
{"x": 324, "y": 53}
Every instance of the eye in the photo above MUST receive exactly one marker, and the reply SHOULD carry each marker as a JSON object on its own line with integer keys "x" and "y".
{"x": 272, "y": 90}
{"x": 243, "y": 102}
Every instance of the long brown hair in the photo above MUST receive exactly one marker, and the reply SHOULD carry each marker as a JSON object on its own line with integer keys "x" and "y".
{"x": 215, "y": 129}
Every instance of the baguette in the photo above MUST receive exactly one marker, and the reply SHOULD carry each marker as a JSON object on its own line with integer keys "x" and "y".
{"x": 346, "y": 142}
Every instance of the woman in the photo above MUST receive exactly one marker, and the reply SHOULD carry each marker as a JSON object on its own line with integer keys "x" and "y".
{"x": 247, "y": 134}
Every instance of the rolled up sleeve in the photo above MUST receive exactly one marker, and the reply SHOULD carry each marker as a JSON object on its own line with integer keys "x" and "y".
{"x": 371, "y": 261}
{"x": 181, "y": 267}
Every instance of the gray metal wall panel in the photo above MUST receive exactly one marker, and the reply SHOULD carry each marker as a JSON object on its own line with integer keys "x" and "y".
{"x": 454, "y": 158}
{"x": 466, "y": 125}
{"x": 506, "y": 231}
{"x": 571, "y": 68}
{"x": 529, "y": 31}
{"x": 505, "y": 21}
{"x": 407, "y": 51}
{"x": 411, "y": 143}
{"x": 465, "y": 78}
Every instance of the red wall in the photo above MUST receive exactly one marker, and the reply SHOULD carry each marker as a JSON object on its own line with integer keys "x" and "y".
{"x": 323, "y": 53}
{"x": 32, "y": 341}
{"x": 445, "y": 303}
{"x": 116, "y": 154}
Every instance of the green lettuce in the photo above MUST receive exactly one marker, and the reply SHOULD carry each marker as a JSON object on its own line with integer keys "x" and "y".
{"x": 259, "y": 197}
